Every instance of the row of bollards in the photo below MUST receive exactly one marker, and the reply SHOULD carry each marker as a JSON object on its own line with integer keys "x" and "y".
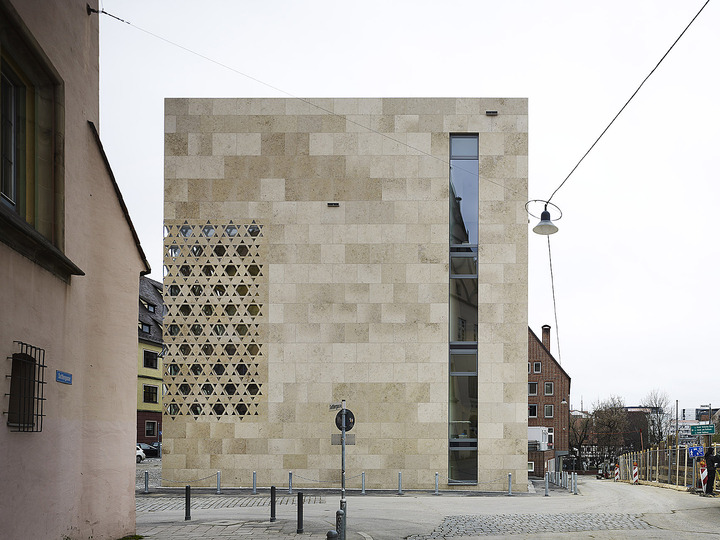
{"x": 290, "y": 483}
{"x": 563, "y": 479}
{"x": 273, "y": 500}
{"x": 340, "y": 523}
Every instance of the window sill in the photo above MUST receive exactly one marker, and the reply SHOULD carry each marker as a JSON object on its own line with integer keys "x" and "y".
{"x": 24, "y": 239}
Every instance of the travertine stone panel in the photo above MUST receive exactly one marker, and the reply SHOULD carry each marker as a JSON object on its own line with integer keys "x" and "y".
{"x": 351, "y": 302}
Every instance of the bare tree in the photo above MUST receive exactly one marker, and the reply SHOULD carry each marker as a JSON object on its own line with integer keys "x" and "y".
{"x": 580, "y": 427}
{"x": 659, "y": 418}
{"x": 610, "y": 426}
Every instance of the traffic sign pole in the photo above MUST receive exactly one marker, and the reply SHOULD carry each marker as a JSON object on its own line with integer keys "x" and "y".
{"x": 342, "y": 429}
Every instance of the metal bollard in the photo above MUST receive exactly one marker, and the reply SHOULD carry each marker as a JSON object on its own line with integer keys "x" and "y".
{"x": 400, "y": 483}
{"x": 218, "y": 484}
{"x": 363, "y": 484}
{"x": 342, "y": 530}
{"x": 331, "y": 535}
{"x": 509, "y": 484}
{"x": 300, "y": 512}
{"x": 187, "y": 503}
{"x": 290, "y": 483}
{"x": 547, "y": 484}
{"x": 437, "y": 484}
{"x": 147, "y": 474}
{"x": 574, "y": 483}
{"x": 254, "y": 491}
{"x": 272, "y": 503}
{"x": 340, "y": 524}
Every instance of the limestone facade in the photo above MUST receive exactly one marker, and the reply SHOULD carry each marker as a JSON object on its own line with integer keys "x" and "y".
{"x": 307, "y": 262}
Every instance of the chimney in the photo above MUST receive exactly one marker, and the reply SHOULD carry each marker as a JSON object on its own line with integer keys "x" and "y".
{"x": 546, "y": 336}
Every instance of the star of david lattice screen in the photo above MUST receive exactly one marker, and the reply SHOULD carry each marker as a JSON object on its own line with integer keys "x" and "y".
{"x": 215, "y": 297}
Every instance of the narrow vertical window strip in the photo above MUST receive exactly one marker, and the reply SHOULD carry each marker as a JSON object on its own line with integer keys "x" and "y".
{"x": 463, "y": 310}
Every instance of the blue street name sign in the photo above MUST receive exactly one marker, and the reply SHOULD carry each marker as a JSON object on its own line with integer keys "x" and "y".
{"x": 62, "y": 377}
{"x": 696, "y": 451}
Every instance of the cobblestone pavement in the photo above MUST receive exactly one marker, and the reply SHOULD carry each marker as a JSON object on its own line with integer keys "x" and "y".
{"x": 512, "y": 524}
{"x": 208, "y": 502}
{"x": 603, "y": 510}
{"x": 153, "y": 467}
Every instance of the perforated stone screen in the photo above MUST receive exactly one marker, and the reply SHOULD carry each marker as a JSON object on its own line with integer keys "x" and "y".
{"x": 215, "y": 296}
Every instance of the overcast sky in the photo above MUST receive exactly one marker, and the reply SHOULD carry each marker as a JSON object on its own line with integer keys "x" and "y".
{"x": 636, "y": 258}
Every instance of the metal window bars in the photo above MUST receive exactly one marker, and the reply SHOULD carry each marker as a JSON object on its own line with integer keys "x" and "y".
{"x": 27, "y": 385}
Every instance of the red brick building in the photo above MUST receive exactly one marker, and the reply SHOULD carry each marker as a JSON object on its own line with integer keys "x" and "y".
{"x": 548, "y": 401}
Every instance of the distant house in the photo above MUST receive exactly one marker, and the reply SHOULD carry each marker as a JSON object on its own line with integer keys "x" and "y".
{"x": 548, "y": 404}
{"x": 69, "y": 265}
{"x": 150, "y": 368}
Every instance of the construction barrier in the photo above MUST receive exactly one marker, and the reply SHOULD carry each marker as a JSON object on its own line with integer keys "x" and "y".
{"x": 617, "y": 473}
{"x": 676, "y": 465}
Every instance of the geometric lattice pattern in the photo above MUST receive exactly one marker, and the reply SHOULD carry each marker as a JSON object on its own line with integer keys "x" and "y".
{"x": 215, "y": 297}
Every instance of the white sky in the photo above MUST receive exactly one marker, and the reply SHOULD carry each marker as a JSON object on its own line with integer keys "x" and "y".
{"x": 636, "y": 258}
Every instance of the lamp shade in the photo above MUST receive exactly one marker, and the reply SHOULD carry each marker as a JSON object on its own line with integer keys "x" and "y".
{"x": 545, "y": 227}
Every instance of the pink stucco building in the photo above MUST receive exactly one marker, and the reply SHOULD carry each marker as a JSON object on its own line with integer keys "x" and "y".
{"x": 69, "y": 266}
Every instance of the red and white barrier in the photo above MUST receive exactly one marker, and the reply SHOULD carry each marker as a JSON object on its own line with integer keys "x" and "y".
{"x": 636, "y": 474}
{"x": 617, "y": 473}
{"x": 703, "y": 476}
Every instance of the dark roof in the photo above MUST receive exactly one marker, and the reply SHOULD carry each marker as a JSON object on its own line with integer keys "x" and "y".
{"x": 151, "y": 294}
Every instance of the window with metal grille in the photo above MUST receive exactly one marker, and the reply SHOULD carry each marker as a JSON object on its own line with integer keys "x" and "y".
{"x": 27, "y": 383}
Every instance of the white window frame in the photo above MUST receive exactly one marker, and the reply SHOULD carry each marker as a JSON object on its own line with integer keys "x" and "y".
{"x": 155, "y": 428}
{"x": 551, "y": 408}
{"x": 552, "y": 388}
{"x": 532, "y": 405}
{"x": 531, "y": 466}
{"x": 537, "y": 367}
{"x": 530, "y": 392}
{"x": 157, "y": 393}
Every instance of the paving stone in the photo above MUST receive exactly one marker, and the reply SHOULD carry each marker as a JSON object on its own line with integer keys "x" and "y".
{"x": 510, "y": 524}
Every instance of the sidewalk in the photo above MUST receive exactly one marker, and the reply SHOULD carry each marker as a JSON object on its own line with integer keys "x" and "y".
{"x": 238, "y": 514}
{"x": 603, "y": 510}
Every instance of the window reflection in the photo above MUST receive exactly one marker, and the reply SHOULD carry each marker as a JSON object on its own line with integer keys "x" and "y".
{"x": 463, "y": 407}
{"x": 463, "y": 308}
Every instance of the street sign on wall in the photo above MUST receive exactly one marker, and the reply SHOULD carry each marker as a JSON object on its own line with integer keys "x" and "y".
{"x": 703, "y": 429}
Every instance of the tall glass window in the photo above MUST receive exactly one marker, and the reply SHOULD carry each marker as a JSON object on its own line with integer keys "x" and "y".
{"x": 463, "y": 306}
{"x": 464, "y": 189}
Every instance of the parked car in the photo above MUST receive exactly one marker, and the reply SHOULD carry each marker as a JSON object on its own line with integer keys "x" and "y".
{"x": 148, "y": 450}
{"x": 139, "y": 454}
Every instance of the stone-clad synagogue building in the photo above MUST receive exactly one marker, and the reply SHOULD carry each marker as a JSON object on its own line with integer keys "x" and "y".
{"x": 371, "y": 250}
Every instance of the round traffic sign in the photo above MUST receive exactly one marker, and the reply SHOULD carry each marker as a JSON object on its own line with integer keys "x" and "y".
{"x": 349, "y": 420}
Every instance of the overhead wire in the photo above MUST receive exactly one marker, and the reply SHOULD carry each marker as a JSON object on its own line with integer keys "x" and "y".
{"x": 552, "y": 283}
{"x": 552, "y": 278}
{"x": 628, "y": 101}
{"x": 304, "y": 100}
